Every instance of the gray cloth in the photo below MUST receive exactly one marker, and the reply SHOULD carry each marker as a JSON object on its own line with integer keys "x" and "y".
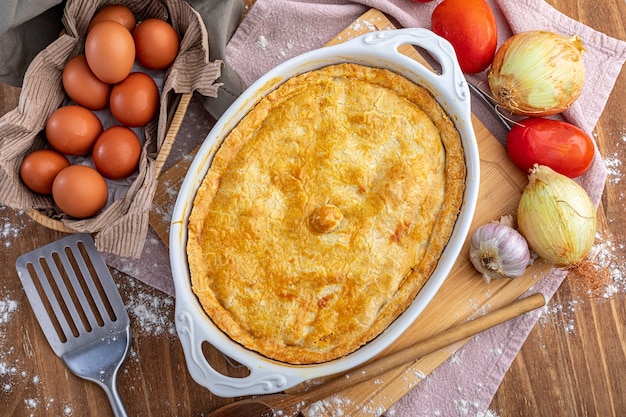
{"x": 221, "y": 18}
{"x": 28, "y": 26}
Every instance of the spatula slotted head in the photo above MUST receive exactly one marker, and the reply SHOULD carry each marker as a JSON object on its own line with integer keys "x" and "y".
{"x": 72, "y": 293}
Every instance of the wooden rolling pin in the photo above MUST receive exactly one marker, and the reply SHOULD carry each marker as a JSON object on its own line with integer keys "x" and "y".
{"x": 290, "y": 405}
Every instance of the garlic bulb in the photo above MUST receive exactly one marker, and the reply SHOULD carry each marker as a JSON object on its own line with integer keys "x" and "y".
{"x": 497, "y": 250}
{"x": 538, "y": 73}
{"x": 557, "y": 217}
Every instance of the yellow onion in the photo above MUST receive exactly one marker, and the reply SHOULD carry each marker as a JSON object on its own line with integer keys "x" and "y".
{"x": 538, "y": 73}
{"x": 557, "y": 217}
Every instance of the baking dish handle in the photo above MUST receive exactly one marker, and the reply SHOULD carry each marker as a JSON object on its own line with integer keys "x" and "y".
{"x": 386, "y": 44}
{"x": 261, "y": 380}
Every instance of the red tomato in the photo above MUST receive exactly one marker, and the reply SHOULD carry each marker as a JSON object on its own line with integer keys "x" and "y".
{"x": 558, "y": 145}
{"x": 470, "y": 26}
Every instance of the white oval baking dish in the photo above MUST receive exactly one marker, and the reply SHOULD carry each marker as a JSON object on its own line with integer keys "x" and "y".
{"x": 377, "y": 49}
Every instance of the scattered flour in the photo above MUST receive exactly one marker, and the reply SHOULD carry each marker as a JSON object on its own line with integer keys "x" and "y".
{"x": 11, "y": 228}
{"x": 31, "y": 403}
{"x": 338, "y": 406}
{"x": 614, "y": 169}
{"x": 150, "y": 312}
{"x": 7, "y": 308}
{"x": 488, "y": 413}
{"x": 607, "y": 255}
{"x": 152, "y": 315}
{"x": 613, "y": 163}
{"x": 496, "y": 351}
{"x": 9, "y": 369}
{"x": 362, "y": 26}
{"x": 262, "y": 42}
{"x": 467, "y": 407}
{"x": 15, "y": 376}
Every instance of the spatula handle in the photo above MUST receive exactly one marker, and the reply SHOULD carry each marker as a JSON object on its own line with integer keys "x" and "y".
{"x": 117, "y": 405}
{"x": 424, "y": 347}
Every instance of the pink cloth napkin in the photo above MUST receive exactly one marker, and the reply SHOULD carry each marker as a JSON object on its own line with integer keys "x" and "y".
{"x": 276, "y": 30}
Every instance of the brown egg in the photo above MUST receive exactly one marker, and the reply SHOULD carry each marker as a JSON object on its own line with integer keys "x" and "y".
{"x": 83, "y": 87}
{"x": 79, "y": 191}
{"x": 116, "y": 12}
{"x": 135, "y": 101}
{"x": 110, "y": 51}
{"x": 116, "y": 152}
{"x": 72, "y": 130}
{"x": 156, "y": 43}
{"x": 39, "y": 169}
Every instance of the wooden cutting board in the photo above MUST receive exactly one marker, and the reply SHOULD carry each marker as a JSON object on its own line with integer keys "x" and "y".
{"x": 464, "y": 294}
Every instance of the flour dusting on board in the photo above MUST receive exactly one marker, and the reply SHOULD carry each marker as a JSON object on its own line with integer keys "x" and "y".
{"x": 363, "y": 26}
{"x": 358, "y": 27}
{"x": 338, "y": 406}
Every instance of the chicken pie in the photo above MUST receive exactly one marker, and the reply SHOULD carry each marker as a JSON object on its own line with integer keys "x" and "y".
{"x": 324, "y": 212}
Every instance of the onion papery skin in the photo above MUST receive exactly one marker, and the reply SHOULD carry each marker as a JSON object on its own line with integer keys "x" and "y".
{"x": 557, "y": 217}
{"x": 538, "y": 73}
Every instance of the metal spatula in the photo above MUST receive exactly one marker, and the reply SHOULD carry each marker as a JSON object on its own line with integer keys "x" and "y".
{"x": 79, "y": 309}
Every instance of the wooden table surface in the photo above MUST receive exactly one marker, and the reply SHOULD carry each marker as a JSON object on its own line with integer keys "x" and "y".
{"x": 573, "y": 363}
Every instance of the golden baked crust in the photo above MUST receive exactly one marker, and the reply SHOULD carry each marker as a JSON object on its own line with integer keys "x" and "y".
{"x": 324, "y": 212}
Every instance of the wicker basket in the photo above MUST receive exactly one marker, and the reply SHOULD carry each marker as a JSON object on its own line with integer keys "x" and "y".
{"x": 121, "y": 228}
{"x": 48, "y": 219}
